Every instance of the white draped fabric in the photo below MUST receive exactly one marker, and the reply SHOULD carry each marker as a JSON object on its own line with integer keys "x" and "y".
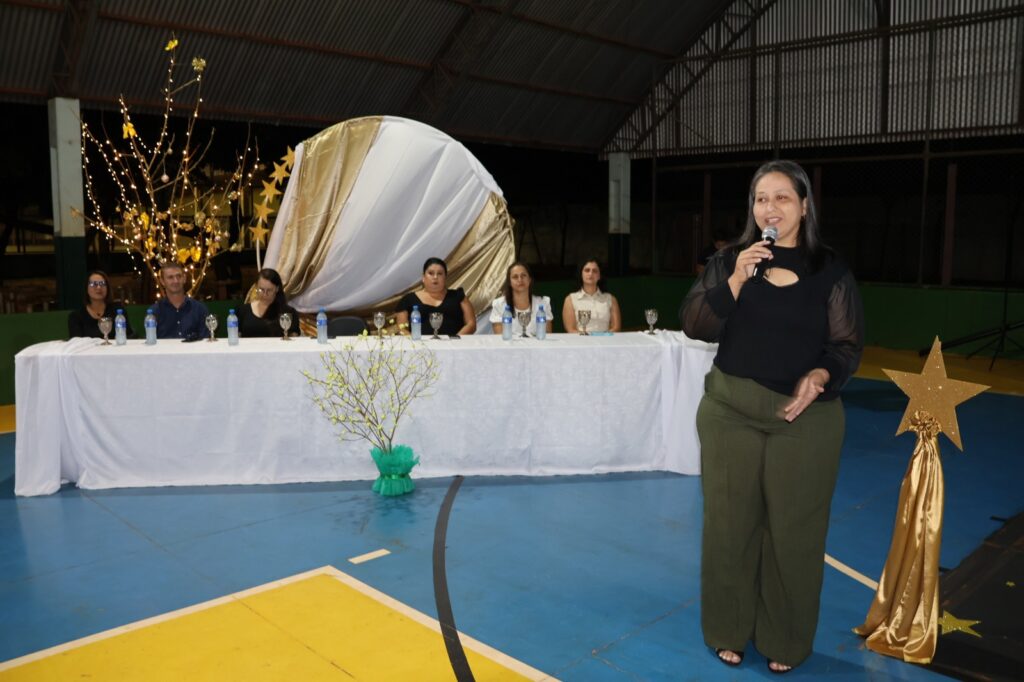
{"x": 208, "y": 413}
{"x": 417, "y": 195}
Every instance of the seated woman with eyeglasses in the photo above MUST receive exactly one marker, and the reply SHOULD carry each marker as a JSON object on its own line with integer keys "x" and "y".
{"x": 97, "y": 303}
{"x": 260, "y": 316}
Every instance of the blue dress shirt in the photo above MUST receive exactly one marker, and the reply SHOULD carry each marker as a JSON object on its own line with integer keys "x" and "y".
{"x": 188, "y": 321}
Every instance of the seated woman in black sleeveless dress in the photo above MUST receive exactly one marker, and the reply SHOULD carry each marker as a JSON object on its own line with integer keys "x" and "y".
{"x": 435, "y": 297}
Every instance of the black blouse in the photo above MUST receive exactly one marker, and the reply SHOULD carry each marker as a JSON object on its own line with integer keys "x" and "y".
{"x": 81, "y": 323}
{"x": 251, "y": 325}
{"x": 776, "y": 334}
{"x": 451, "y": 308}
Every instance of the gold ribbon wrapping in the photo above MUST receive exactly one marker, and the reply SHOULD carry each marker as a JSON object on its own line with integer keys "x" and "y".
{"x": 331, "y": 162}
{"x": 477, "y": 263}
{"x": 903, "y": 619}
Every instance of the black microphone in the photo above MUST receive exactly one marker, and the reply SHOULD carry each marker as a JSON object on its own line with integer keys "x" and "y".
{"x": 769, "y": 235}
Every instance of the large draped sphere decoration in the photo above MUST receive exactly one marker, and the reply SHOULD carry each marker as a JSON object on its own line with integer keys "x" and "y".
{"x": 369, "y": 200}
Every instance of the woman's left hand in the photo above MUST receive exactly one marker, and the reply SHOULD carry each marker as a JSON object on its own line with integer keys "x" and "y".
{"x": 810, "y": 386}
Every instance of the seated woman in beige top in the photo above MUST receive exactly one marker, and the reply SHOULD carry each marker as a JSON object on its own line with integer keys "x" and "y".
{"x": 603, "y": 307}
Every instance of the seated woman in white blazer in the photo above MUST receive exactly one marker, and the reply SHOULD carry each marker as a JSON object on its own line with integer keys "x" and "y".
{"x": 518, "y": 293}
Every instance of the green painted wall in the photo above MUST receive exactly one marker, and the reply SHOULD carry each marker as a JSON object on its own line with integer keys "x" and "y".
{"x": 896, "y": 316}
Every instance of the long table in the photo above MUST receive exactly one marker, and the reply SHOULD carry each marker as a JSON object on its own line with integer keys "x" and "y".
{"x": 209, "y": 413}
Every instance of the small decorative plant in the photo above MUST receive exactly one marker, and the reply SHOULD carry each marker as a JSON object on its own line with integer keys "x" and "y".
{"x": 367, "y": 387}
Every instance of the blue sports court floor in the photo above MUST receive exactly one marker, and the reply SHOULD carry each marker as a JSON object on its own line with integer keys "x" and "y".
{"x": 585, "y": 578}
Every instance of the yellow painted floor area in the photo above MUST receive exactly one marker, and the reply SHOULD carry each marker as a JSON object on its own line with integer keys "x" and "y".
{"x": 322, "y": 625}
{"x": 1007, "y": 376}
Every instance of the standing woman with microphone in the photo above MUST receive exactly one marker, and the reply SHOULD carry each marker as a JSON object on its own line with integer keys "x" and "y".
{"x": 787, "y": 317}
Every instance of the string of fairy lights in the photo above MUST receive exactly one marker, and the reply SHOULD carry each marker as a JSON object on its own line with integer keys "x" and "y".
{"x": 167, "y": 211}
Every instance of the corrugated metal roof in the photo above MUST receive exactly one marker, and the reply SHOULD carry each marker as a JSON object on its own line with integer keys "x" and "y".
{"x": 539, "y": 72}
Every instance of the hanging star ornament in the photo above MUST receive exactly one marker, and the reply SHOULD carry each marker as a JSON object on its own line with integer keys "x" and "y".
{"x": 933, "y": 392}
{"x": 263, "y": 212}
{"x": 259, "y": 234}
{"x": 950, "y": 623}
{"x": 289, "y": 158}
{"x": 280, "y": 173}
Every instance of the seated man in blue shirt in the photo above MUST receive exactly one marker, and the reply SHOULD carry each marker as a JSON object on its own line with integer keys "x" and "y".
{"x": 177, "y": 315}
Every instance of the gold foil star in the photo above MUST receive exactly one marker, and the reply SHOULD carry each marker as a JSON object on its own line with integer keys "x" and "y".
{"x": 128, "y": 130}
{"x": 950, "y": 623}
{"x": 259, "y": 234}
{"x": 198, "y": 64}
{"x": 933, "y": 392}
{"x": 171, "y": 44}
{"x": 289, "y": 158}
{"x": 262, "y": 212}
{"x": 280, "y": 173}
{"x": 269, "y": 191}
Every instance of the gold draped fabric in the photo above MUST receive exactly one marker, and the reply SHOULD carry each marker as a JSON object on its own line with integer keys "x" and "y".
{"x": 903, "y": 619}
{"x": 331, "y": 162}
{"x": 477, "y": 263}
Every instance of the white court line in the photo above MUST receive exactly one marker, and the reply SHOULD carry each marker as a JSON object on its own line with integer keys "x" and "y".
{"x": 369, "y": 556}
{"x": 850, "y": 572}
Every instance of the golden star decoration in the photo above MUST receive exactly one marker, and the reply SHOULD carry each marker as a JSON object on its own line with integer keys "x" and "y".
{"x": 280, "y": 173}
{"x": 950, "y": 623}
{"x": 259, "y": 234}
{"x": 128, "y": 130}
{"x": 171, "y": 44}
{"x": 933, "y": 392}
{"x": 263, "y": 212}
{"x": 270, "y": 191}
{"x": 289, "y": 158}
{"x": 198, "y": 64}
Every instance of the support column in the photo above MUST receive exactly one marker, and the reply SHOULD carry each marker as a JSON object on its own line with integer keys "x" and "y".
{"x": 66, "y": 188}
{"x": 618, "y": 213}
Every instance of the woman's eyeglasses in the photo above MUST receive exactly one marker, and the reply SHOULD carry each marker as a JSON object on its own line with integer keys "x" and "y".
{"x": 264, "y": 292}
{"x": 97, "y": 284}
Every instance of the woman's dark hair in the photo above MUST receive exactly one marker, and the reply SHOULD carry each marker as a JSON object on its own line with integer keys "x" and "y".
{"x": 280, "y": 300}
{"x": 109, "y": 300}
{"x": 506, "y": 288}
{"x": 435, "y": 261}
{"x": 813, "y": 250}
{"x": 602, "y": 286}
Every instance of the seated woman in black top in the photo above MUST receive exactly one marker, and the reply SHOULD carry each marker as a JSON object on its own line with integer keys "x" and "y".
{"x": 435, "y": 297}
{"x": 260, "y": 317}
{"x": 97, "y": 303}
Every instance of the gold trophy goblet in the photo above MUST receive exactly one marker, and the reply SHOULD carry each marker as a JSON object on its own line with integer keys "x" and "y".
{"x": 106, "y": 324}
{"x": 583, "y": 319}
{"x": 286, "y": 322}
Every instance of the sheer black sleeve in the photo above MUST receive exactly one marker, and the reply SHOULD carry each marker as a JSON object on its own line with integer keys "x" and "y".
{"x": 842, "y": 352}
{"x": 710, "y": 300}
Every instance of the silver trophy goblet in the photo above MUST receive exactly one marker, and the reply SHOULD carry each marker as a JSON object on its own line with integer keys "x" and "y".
{"x": 435, "y": 323}
{"x": 378, "y": 321}
{"x": 524, "y": 321}
{"x": 106, "y": 324}
{"x": 651, "y": 315}
{"x": 583, "y": 319}
{"x": 286, "y": 322}
{"x": 211, "y": 324}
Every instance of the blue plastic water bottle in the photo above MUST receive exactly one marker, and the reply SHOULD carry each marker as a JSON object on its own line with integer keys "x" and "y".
{"x": 120, "y": 328}
{"x": 506, "y": 323}
{"x": 321, "y": 326}
{"x": 416, "y": 323}
{"x": 542, "y": 323}
{"x": 150, "y": 325}
{"x": 232, "y": 328}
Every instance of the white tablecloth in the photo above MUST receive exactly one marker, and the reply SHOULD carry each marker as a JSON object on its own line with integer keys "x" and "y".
{"x": 209, "y": 413}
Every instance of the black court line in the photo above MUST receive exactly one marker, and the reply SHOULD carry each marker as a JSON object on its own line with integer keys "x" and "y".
{"x": 456, "y": 654}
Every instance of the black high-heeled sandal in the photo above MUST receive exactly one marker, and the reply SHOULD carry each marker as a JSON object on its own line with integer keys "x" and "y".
{"x": 731, "y": 664}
